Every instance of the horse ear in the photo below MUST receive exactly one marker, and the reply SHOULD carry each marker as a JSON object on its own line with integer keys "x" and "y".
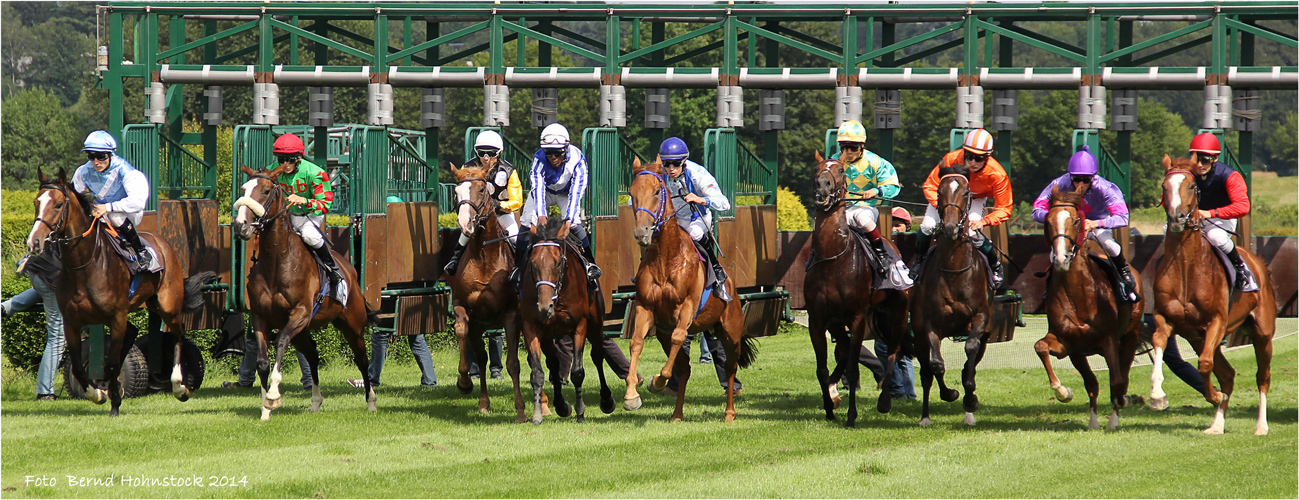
{"x": 819, "y": 159}
{"x": 40, "y": 176}
{"x": 274, "y": 173}
{"x": 563, "y": 230}
{"x": 63, "y": 176}
{"x": 1055, "y": 190}
{"x": 454, "y": 170}
{"x": 247, "y": 171}
{"x": 635, "y": 164}
{"x": 1168, "y": 163}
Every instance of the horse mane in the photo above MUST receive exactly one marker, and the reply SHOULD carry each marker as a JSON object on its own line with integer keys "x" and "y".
{"x": 954, "y": 169}
{"x": 550, "y": 230}
{"x": 1066, "y": 197}
{"x": 86, "y": 199}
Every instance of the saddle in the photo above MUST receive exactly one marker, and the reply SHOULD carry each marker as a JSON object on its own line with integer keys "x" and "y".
{"x": 1251, "y": 286}
{"x": 710, "y": 277}
{"x": 128, "y": 255}
{"x": 322, "y": 272}
{"x": 880, "y": 279}
{"x": 1112, "y": 273}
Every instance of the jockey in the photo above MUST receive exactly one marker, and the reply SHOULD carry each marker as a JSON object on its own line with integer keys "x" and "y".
{"x": 120, "y": 190}
{"x": 1103, "y": 210}
{"x": 558, "y": 177}
{"x": 1224, "y": 197}
{"x": 871, "y": 179}
{"x": 309, "y": 196}
{"x": 690, "y": 185}
{"x": 987, "y": 179}
{"x": 502, "y": 182}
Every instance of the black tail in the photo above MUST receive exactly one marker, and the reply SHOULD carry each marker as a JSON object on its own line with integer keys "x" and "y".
{"x": 194, "y": 290}
{"x": 748, "y": 351}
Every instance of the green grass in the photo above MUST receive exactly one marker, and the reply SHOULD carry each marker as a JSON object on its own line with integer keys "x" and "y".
{"x": 432, "y": 442}
{"x": 1268, "y": 188}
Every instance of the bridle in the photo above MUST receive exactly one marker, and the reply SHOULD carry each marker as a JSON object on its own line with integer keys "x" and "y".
{"x": 260, "y": 221}
{"x": 480, "y": 212}
{"x": 837, "y": 196}
{"x": 658, "y": 215}
{"x": 964, "y": 207}
{"x": 1075, "y": 240}
{"x": 1184, "y": 219}
{"x": 63, "y": 218}
{"x": 563, "y": 266}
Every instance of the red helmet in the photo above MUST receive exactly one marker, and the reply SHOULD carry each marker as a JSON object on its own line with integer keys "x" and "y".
{"x": 1205, "y": 143}
{"x": 289, "y": 143}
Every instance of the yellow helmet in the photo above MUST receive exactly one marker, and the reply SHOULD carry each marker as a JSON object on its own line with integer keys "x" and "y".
{"x": 851, "y": 131}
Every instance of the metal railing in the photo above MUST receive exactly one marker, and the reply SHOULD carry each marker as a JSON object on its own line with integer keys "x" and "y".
{"x": 174, "y": 172}
{"x": 756, "y": 182}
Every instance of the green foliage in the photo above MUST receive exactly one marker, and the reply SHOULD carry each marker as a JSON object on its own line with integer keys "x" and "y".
{"x": 23, "y": 340}
{"x": 1274, "y": 220}
{"x": 791, "y": 215}
{"x": 1284, "y": 143}
{"x": 48, "y": 48}
{"x": 448, "y": 219}
{"x": 1159, "y": 132}
{"x": 38, "y": 134}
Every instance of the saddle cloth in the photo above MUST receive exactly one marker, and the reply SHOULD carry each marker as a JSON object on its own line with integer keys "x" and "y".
{"x": 128, "y": 255}
{"x": 1111, "y": 272}
{"x": 1251, "y": 286}
{"x": 885, "y": 277}
{"x": 710, "y": 278}
{"x": 323, "y": 272}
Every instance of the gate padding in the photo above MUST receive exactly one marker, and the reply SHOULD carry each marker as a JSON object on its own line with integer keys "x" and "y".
{"x": 400, "y": 246}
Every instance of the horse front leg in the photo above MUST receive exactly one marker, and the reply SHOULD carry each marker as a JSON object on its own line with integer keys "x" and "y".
{"x": 512, "y": 362}
{"x": 578, "y": 370}
{"x": 1118, "y": 380}
{"x": 1159, "y": 339}
{"x": 684, "y": 316}
{"x": 72, "y": 339}
{"x": 854, "y": 367}
{"x": 1213, "y": 362}
{"x": 733, "y": 342}
{"x": 829, "y": 396}
{"x": 113, "y": 360}
{"x": 926, "y": 348}
{"x": 297, "y": 321}
{"x": 1091, "y": 385}
{"x": 1263, "y": 377}
{"x": 463, "y": 383}
{"x": 640, "y": 328}
{"x": 1045, "y": 348}
{"x": 307, "y": 346}
{"x": 975, "y": 346}
{"x": 538, "y": 375}
{"x": 476, "y": 342}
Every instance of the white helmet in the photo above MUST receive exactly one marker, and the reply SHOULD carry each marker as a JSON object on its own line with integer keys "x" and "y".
{"x": 554, "y": 136}
{"x": 489, "y": 139}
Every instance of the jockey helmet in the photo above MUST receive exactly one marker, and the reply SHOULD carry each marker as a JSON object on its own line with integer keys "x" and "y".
{"x": 289, "y": 143}
{"x": 902, "y": 214}
{"x": 489, "y": 139}
{"x": 978, "y": 141}
{"x": 554, "y": 136}
{"x": 100, "y": 141}
{"x": 1205, "y": 143}
{"x": 1083, "y": 163}
{"x": 674, "y": 149}
{"x": 851, "y": 131}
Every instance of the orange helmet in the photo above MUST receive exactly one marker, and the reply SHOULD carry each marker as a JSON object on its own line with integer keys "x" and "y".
{"x": 978, "y": 141}
{"x": 289, "y": 143}
{"x": 1205, "y": 143}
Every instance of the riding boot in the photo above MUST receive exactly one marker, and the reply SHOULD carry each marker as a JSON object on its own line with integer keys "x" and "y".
{"x": 710, "y": 247}
{"x": 994, "y": 263}
{"x": 1244, "y": 278}
{"x": 132, "y": 238}
{"x": 1127, "y": 284}
{"x": 454, "y": 263}
{"x": 334, "y": 273}
{"x": 521, "y": 246}
{"x": 593, "y": 271}
{"x": 922, "y": 249}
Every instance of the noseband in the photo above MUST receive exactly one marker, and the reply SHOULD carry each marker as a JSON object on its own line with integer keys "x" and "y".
{"x": 260, "y": 221}
{"x": 837, "y": 195}
{"x": 964, "y": 207}
{"x": 1184, "y": 219}
{"x": 563, "y": 266}
{"x": 479, "y": 208}
{"x": 663, "y": 200}
{"x": 1075, "y": 240}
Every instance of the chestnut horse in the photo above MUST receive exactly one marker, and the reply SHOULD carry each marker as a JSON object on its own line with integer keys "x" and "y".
{"x": 94, "y": 287}
{"x": 837, "y": 290}
{"x": 952, "y": 297}
{"x": 1193, "y": 299}
{"x": 669, "y": 287}
{"x": 574, "y": 310}
{"x": 482, "y": 296}
{"x": 1084, "y": 315}
{"x": 283, "y": 289}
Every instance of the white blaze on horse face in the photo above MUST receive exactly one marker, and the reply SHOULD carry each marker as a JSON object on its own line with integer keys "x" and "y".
{"x": 1059, "y": 252}
{"x": 1175, "y": 199}
{"x": 462, "y": 194}
{"x": 44, "y": 200}
{"x": 242, "y": 216}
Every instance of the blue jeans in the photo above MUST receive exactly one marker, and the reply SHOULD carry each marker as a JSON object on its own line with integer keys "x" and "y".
{"x": 40, "y": 293}
{"x": 248, "y": 366}
{"x": 1184, "y": 370}
{"x": 904, "y": 377}
{"x": 705, "y": 356}
{"x": 418, "y": 347}
{"x": 493, "y": 355}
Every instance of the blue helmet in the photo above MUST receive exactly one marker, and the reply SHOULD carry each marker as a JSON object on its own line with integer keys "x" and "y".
{"x": 101, "y": 142}
{"x": 674, "y": 149}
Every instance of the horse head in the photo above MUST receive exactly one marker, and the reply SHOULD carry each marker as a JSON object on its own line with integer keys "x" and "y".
{"x": 59, "y": 209}
{"x": 649, "y": 198}
{"x": 1064, "y": 227}
{"x": 829, "y": 182}
{"x": 953, "y": 200}
{"x": 474, "y": 201}
{"x": 1181, "y": 196}
{"x": 262, "y": 196}
{"x": 548, "y": 262}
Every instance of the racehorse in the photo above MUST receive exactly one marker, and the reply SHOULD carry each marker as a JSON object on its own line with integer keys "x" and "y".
{"x": 574, "y": 310}
{"x": 1084, "y": 315}
{"x": 482, "y": 296}
{"x": 838, "y": 294}
{"x": 1194, "y": 299}
{"x": 669, "y": 288}
{"x": 952, "y": 296}
{"x": 284, "y": 290}
{"x": 95, "y": 286}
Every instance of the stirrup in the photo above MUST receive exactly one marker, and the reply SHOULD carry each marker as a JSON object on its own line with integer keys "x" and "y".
{"x": 593, "y": 271}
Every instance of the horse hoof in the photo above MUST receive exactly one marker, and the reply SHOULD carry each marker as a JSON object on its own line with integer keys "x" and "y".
{"x": 656, "y": 386}
{"x": 315, "y": 407}
{"x": 466, "y": 388}
{"x": 729, "y": 418}
{"x": 536, "y": 422}
{"x": 545, "y": 410}
{"x": 183, "y": 395}
{"x": 829, "y": 415}
{"x": 1213, "y": 431}
{"x": 371, "y": 406}
{"x": 1113, "y": 423}
{"x": 606, "y": 405}
{"x": 925, "y": 422}
{"x": 581, "y": 419}
{"x": 1158, "y": 403}
{"x": 520, "y": 419}
{"x": 98, "y": 396}
{"x": 949, "y": 395}
{"x": 112, "y": 412}
{"x": 266, "y": 413}
{"x": 885, "y": 404}
{"x": 850, "y": 423}
{"x": 676, "y": 419}
{"x": 632, "y": 404}
{"x": 969, "y": 419}
{"x": 275, "y": 403}
{"x": 1260, "y": 430}
{"x": 1063, "y": 394}
{"x": 564, "y": 410}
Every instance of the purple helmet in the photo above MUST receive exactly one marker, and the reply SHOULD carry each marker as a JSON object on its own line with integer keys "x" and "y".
{"x": 1083, "y": 163}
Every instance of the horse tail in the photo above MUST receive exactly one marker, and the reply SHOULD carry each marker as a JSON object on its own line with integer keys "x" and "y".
{"x": 748, "y": 351}
{"x": 194, "y": 290}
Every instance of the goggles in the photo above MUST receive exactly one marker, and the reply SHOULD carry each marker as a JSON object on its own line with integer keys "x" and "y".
{"x": 557, "y": 153}
{"x": 98, "y": 155}
{"x": 1205, "y": 157}
{"x": 1085, "y": 179}
{"x": 286, "y": 157}
{"x": 487, "y": 152}
{"x": 852, "y": 146}
{"x": 674, "y": 163}
{"x": 977, "y": 157}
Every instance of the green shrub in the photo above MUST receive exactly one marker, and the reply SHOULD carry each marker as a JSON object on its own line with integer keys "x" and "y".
{"x": 448, "y": 219}
{"x": 23, "y": 337}
{"x": 791, "y": 215}
{"x": 1275, "y": 220}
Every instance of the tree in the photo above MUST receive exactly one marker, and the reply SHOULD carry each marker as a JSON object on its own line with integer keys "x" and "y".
{"x": 38, "y": 133}
{"x": 1159, "y": 132}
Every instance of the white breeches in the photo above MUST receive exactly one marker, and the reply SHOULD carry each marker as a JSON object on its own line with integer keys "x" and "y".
{"x": 1106, "y": 238}
{"x": 863, "y": 218}
{"x": 697, "y": 229}
{"x": 529, "y": 215}
{"x": 507, "y": 222}
{"x": 119, "y": 218}
{"x": 931, "y": 220}
{"x": 1219, "y": 233}
{"x": 308, "y": 227}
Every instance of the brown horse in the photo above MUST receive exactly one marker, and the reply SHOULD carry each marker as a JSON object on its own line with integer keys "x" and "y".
{"x": 1084, "y": 315}
{"x": 94, "y": 287}
{"x": 669, "y": 287}
{"x": 952, "y": 297}
{"x": 482, "y": 296}
{"x": 1194, "y": 300}
{"x": 283, "y": 290}
{"x": 838, "y": 294}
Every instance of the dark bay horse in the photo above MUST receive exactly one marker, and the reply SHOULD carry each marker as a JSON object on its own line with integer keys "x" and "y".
{"x": 283, "y": 290}
{"x": 1194, "y": 300}
{"x": 482, "y": 297}
{"x": 952, "y": 297}
{"x": 94, "y": 287}
{"x": 1084, "y": 315}
{"x": 669, "y": 287}
{"x": 560, "y": 311}
{"x": 837, "y": 291}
